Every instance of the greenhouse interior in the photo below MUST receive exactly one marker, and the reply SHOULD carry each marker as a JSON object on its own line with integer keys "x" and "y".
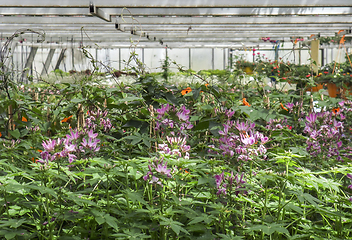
{"x": 176, "y": 119}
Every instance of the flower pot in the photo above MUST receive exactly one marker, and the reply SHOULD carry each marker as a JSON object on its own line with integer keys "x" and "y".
{"x": 333, "y": 90}
{"x": 315, "y": 89}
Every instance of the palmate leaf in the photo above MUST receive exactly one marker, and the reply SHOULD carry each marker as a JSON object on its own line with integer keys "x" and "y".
{"x": 111, "y": 221}
{"x": 269, "y": 229}
{"x": 175, "y": 226}
{"x": 227, "y": 237}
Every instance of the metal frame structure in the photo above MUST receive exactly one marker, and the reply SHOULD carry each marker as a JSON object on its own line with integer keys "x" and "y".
{"x": 168, "y": 24}
{"x": 220, "y": 23}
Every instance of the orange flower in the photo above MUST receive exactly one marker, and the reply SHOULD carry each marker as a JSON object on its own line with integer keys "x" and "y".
{"x": 38, "y": 150}
{"x": 24, "y": 119}
{"x": 34, "y": 161}
{"x": 283, "y": 107}
{"x": 66, "y": 119}
{"x": 335, "y": 110}
{"x": 244, "y": 101}
{"x": 0, "y": 134}
{"x": 185, "y": 91}
{"x": 207, "y": 84}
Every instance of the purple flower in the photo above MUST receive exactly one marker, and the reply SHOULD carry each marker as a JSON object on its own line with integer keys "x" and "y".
{"x": 70, "y": 148}
{"x": 290, "y": 106}
{"x": 73, "y": 135}
{"x": 183, "y": 114}
{"x": 244, "y": 126}
{"x": 92, "y": 145}
{"x": 349, "y": 175}
{"x": 225, "y": 131}
{"x": 247, "y": 140}
{"x": 71, "y": 157}
{"x": 161, "y": 111}
{"x": 155, "y": 180}
{"x": 49, "y": 145}
{"x": 163, "y": 169}
{"x": 218, "y": 179}
{"x": 229, "y": 113}
{"x": 311, "y": 118}
{"x": 92, "y": 135}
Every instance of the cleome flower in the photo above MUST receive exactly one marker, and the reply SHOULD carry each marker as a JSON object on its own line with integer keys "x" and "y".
{"x": 157, "y": 172}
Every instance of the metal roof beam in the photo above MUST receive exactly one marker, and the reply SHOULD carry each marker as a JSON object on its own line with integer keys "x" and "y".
{"x": 106, "y": 12}
{"x": 178, "y": 3}
{"x": 230, "y": 11}
{"x": 95, "y": 11}
{"x": 236, "y": 20}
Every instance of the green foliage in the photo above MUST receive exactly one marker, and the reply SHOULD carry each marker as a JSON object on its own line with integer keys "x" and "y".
{"x": 287, "y": 194}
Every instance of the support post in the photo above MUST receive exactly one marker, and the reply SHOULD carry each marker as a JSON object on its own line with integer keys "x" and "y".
{"x": 299, "y": 53}
{"x": 314, "y": 48}
{"x": 119, "y": 59}
{"x": 73, "y": 54}
{"x": 189, "y": 58}
{"x": 212, "y": 58}
{"x": 30, "y": 60}
{"x": 224, "y": 58}
{"x": 47, "y": 62}
{"x": 61, "y": 57}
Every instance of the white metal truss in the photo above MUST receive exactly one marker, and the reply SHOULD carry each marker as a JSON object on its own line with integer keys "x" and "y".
{"x": 176, "y": 22}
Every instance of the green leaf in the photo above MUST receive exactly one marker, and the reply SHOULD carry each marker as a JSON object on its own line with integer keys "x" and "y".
{"x": 77, "y": 100}
{"x": 130, "y": 99}
{"x": 175, "y": 228}
{"x": 111, "y": 221}
{"x": 203, "y": 180}
{"x": 133, "y": 123}
{"x": 197, "y": 220}
{"x": 15, "y": 133}
{"x": 10, "y": 235}
{"x": 100, "y": 220}
{"x": 171, "y": 98}
{"x": 226, "y": 237}
{"x": 202, "y": 126}
{"x": 146, "y": 142}
{"x": 196, "y": 93}
{"x": 18, "y": 223}
{"x": 291, "y": 206}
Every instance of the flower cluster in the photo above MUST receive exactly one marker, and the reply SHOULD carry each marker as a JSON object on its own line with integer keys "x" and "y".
{"x": 13, "y": 144}
{"x": 165, "y": 119}
{"x": 294, "y": 107}
{"x": 76, "y": 144}
{"x": 98, "y": 118}
{"x": 325, "y": 135}
{"x": 157, "y": 171}
{"x": 277, "y": 124}
{"x": 230, "y": 183}
{"x": 175, "y": 146}
{"x": 241, "y": 139}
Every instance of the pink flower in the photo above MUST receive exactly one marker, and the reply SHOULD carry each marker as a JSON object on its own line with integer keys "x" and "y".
{"x": 49, "y": 145}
